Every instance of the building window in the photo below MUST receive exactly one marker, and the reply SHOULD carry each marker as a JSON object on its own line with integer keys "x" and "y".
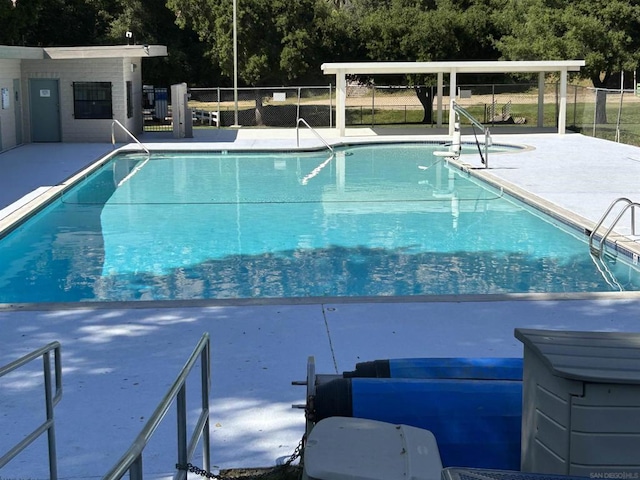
{"x": 129, "y": 99}
{"x": 92, "y": 100}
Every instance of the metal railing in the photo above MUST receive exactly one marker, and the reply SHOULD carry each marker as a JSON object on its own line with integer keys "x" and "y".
{"x": 303, "y": 121}
{"x": 131, "y": 461}
{"x": 475, "y": 123}
{"x": 597, "y": 250}
{"x": 51, "y": 400}
{"x": 113, "y": 135}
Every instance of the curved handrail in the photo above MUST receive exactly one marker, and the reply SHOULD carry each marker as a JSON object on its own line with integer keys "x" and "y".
{"x": 628, "y": 204}
{"x": 302, "y": 120}
{"x": 50, "y": 402}
{"x": 487, "y": 134}
{"x": 131, "y": 461}
{"x": 113, "y": 135}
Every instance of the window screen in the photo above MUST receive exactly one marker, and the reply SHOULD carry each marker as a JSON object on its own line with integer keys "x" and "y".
{"x": 92, "y": 100}
{"x": 129, "y": 99}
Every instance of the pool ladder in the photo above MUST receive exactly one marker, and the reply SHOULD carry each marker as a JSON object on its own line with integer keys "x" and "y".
{"x": 319, "y": 168}
{"x": 474, "y": 123}
{"x": 596, "y": 247}
{"x": 303, "y": 121}
{"x": 113, "y": 142}
{"x": 125, "y": 130}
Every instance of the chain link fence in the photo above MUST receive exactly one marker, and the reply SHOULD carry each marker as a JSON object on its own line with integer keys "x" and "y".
{"x": 609, "y": 114}
{"x": 371, "y": 105}
{"x": 267, "y": 106}
{"x": 604, "y": 113}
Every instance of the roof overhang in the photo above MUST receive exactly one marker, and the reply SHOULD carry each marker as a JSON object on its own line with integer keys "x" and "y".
{"x": 20, "y": 53}
{"x": 117, "y": 51}
{"x": 500, "y": 66}
{"x": 70, "y": 53}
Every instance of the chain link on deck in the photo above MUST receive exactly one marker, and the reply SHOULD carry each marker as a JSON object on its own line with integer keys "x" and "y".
{"x": 297, "y": 453}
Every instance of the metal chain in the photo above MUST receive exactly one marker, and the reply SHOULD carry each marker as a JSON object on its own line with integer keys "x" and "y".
{"x": 297, "y": 453}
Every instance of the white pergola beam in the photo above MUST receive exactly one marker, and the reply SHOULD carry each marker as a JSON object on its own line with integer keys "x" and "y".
{"x": 340, "y": 70}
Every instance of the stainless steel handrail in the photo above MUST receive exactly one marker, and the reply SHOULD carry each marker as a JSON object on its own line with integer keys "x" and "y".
{"x": 487, "y": 134}
{"x": 113, "y": 135}
{"x": 603, "y": 239}
{"x": 50, "y": 402}
{"x": 131, "y": 461}
{"x": 302, "y": 120}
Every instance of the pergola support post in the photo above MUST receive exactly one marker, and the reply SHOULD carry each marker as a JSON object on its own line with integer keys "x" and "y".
{"x": 562, "y": 113}
{"x": 341, "y": 102}
{"x": 452, "y": 97}
{"x": 541, "y": 76}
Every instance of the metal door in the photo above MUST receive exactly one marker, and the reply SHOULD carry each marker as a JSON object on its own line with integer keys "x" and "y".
{"x": 45, "y": 110}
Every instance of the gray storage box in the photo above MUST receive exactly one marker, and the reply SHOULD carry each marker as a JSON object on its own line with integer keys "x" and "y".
{"x": 456, "y": 473}
{"x": 581, "y": 403}
{"x": 345, "y": 448}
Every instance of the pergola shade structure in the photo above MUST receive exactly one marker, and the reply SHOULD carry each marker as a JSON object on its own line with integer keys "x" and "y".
{"x": 341, "y": 70}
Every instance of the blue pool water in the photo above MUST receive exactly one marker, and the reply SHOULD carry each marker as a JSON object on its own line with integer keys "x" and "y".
{"x": 376, "y": 220}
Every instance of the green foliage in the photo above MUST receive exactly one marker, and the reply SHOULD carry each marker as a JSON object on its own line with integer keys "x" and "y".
{"x": 283, "y": 42}
{"x": 278, "y": 41}
{"x": 602, "y": 32}
{"x": 54, "y": 22}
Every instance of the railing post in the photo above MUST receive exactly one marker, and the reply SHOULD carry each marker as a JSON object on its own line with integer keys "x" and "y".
{"x": 51, "y": 433}
{"x": 135, "y": 472}
{"x": 206, "y": 384}
{"x": 181, "y": 404}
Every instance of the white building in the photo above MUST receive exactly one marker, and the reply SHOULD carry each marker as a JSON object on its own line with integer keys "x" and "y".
{"x": 70, "y": 94}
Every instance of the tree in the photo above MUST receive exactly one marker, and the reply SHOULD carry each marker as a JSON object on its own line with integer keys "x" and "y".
{"x": 277, "y": 39}
{"x": 48, "y": 22}
{"x": 151, "y": 22}
{"x": 605, "y": 33}
{"x": 424, "y": 31}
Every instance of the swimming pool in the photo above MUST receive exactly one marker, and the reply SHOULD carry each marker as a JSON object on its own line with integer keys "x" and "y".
{"x": 375, "y": 220}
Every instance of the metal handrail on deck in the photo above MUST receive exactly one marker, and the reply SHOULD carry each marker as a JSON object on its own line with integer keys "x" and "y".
{"x": 113, "y": 135}
{"x": 302, "y": 120}
{"x": 131, "y": 461}
{"x": 51, "y": 400}
{"x": 628, "y": 204}
{"x": 487, "y": 134}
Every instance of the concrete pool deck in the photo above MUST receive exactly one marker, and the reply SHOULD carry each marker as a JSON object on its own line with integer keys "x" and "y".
{"x": 119, "y": 360}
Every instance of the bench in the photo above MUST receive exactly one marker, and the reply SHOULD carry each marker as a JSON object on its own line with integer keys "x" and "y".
{"x": 213, "y": 117}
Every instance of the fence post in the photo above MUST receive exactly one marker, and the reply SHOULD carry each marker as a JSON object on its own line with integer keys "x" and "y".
{"x": 575, "y": 105}
{"x": 298, "y": 107}
{"x": 219, "y": 111}
{"x": 330, "y": 106}
{"x": 595, "y": 111}
{"x": 620, "y": 108}
{"x": 373, "y": 106}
